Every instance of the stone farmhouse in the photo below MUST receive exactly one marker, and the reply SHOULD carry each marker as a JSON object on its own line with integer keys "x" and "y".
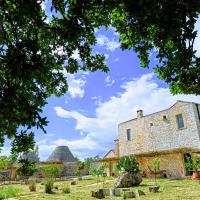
{"x": 168, "y": 135}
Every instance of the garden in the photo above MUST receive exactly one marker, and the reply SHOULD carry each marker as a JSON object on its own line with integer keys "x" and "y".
{"x": 174, "y": 189}
{"x": 128, "y": 184}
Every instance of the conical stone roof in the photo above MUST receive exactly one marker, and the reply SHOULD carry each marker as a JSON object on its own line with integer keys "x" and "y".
{"x": 61, "y": 153}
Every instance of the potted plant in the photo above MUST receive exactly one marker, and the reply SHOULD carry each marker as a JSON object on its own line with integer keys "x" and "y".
{"x": 194, "y": 164}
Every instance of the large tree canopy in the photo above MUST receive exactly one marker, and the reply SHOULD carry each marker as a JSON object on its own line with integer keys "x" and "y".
{"x": 34, "y": 50}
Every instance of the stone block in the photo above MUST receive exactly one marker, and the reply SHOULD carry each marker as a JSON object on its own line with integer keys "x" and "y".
{"x": 130, "y": 194}
{"x": 117, "y": 192}
{"x": 139, "y": 193}
{"x": 73, "y": 182}
{"x": 108, "y": 192}
{"x": 99, "y": 194}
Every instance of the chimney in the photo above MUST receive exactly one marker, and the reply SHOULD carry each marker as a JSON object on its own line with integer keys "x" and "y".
{"x": 139, "y": 114}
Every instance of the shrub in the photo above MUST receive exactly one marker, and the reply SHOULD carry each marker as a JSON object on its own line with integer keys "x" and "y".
{"x": 52, "y": 171}
{"x": 48, "y": 186}
{"x": 26, "y": 168}
{"x": 32, "y": 186}
{"x": 66, "y": 189}
{"x": 128, "y": 164}
{"x": 8, "y": 191}
{"x": 194, "y": 163}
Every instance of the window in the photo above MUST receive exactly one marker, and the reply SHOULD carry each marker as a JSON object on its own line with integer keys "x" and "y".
{"x": 180, "y": 122}
{"x": 128, "y": 134}
{"x": 164, "y": 117}
{"x": 151, "y": 124}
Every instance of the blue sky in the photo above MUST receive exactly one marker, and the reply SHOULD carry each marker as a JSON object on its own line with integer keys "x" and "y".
{"x": 86, "y": 118}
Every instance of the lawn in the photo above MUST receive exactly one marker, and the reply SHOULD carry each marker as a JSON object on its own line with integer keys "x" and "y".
{"x": 169, "y": 190}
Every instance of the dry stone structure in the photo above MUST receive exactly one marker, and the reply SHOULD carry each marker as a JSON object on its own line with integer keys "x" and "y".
{"x": 169, "y": 135}
{"x": 63, "y": 154}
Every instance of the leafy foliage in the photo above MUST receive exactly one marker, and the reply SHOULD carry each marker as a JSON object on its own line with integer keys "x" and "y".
{"x": 48, "y": 186}
{"x": 193, "y": 163}
{"x": 52, "y": 170}
{"x": 156, "y": 168}
{"x": 99, "y": 172}
{"x": 26, "y": 168}
{"x": 79, "y": 166}
{"x": 128, "y": 164}
{"x": 6, "y": 161}
{"x": 33, "y": 55}
{"x": 88, "y": 162}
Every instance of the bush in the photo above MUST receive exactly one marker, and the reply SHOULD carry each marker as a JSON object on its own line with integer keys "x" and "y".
{"x": 194, "y": 163}
{"x": 66, "y": 189}
{"x": 48, "y": 186}
{"x": 8, "y": 191}
{"x": 128, "y": 164}
{"x": 52, "y": 171}
{"x": 32, "y": 186}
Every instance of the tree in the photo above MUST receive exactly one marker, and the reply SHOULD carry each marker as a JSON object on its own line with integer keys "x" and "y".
{"x": 5, "y": 161}
{"x": 156, "y": 168}
{"x": 32, "y": 65}
{"x": 89, "y": 162}
{"x": 26, "y": 168}
{"x": 99, "y": 172}
{"x": 35, "y": 50}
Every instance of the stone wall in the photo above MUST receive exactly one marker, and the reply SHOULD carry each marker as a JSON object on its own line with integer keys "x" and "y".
{"x": 171, "y": 164}
{"x": 155, "y": 133}
{"x": 69, "y": 168}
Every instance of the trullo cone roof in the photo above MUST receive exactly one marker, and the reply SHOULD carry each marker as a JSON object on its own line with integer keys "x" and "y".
{"x": 61, "y": 153}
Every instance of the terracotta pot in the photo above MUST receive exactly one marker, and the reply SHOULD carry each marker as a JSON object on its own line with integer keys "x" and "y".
{"x": 196, "y": 175}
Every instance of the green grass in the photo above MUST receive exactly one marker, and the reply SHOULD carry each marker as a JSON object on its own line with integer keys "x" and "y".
{"x": 169, "y": 190}
{"x": 8, "y": 191}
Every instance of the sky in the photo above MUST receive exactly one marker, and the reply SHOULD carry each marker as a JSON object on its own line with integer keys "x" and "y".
{"x": 86, "y": 118}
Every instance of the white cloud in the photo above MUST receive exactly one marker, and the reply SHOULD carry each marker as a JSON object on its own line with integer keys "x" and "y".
{"x": 139, "y": 93}
{"x": 76, "y": 146}
{"x": 109, "y": 81}
{"x": 97, "y": 99}
{"x": 76, "y": 84}
{"x": 107, "y": 43}
{"x": 76, "y": 55}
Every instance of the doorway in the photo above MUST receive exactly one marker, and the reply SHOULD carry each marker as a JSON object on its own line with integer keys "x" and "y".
{"x": 188, "y": 158}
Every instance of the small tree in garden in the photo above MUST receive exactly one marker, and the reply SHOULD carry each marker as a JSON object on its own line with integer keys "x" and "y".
{"x": 99, "y": 172}
{"x": 89, "y": 162}
{"x": 26, "y": 168}
{"x": 80, "y": 165}
{"x": 128, "y": 164}
{"x": 156, "y": 168}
